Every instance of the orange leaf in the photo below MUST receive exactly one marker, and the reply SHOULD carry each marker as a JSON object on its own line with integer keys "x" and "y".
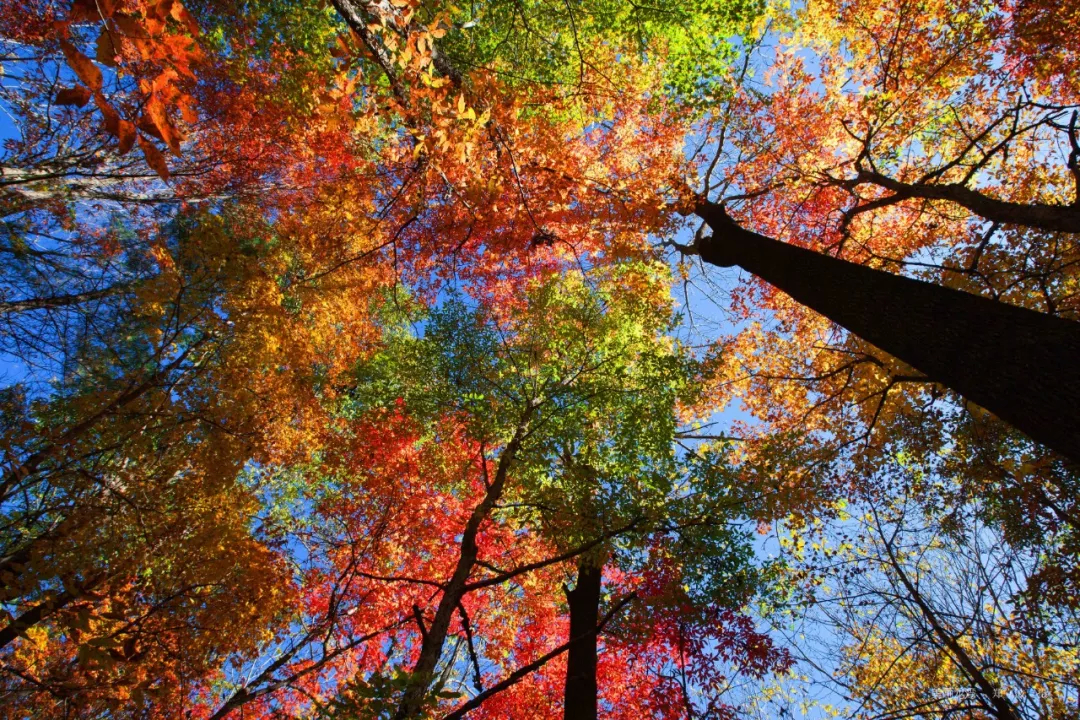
{"x": 127, "y": 134}
{"x": 83, "y": 66}
{"x": 186, "y": 103}
{"x": 163, "y": 85}
{"x": 149, "y": 128}
{"x": 163, "y": 9}
{"x": 155, "y": 111}
{"x": 154, "y": 158}
{"x": 180, "y": 14}
{"x": 162, "y": 257}
{"x": 77, "y": 96}
{"x": 112, "y": 118}
{"x": 341, "y": 49}
{"x": 154, "y": 27}
{"x": 182, "y": 51}
{"x": 134, "y": 33}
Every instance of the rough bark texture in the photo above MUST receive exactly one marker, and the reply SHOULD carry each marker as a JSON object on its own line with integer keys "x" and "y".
{"x": 355, "y": 16}
{"x": 1019, "y": 364}
{"x": 524, "y": 671}
{"x": 584, "y": 601}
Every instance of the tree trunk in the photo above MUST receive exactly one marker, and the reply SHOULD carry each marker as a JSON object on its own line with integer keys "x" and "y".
{"x": 434, "y": 636}
{"x": 584, "y": 600}
{"x": 1019, "y": 364}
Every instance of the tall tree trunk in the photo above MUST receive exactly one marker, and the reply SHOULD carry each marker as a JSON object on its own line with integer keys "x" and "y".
{"x": 434, "y": 636}
{"x": 1019, "y": 364}
{"x": 584, "y": 599}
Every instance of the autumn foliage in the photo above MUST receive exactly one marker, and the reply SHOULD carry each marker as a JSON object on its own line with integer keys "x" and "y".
{"x": 363, "y": 359}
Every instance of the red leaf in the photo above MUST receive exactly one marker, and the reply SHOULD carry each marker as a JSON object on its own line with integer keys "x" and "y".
{"x": 77, "y": 96}
{"x": 154, "y": 158}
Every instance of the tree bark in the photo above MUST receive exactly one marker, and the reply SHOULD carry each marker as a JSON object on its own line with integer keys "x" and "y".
{"x": 584, "y": 600}
{"x": 524, "y": 671}
{"x": 1052, "y": 218}
{"x": 1019, "y": 364}
{"x": 33, "y": 616}
{"x": 44, "y": 609}
{"x": 434, "y": 636}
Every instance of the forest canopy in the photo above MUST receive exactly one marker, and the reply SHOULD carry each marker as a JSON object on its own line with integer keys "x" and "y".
{"x": 539, "y": 358}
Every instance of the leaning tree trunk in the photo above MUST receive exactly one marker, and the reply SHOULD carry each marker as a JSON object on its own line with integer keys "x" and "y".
{"x": 1019, "y": 364}
{"x": 584, "y": 600}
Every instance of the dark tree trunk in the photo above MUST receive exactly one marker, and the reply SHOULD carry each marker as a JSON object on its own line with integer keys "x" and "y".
{"x": 1019, "y": 364}
{"x": 584, "y": 600}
